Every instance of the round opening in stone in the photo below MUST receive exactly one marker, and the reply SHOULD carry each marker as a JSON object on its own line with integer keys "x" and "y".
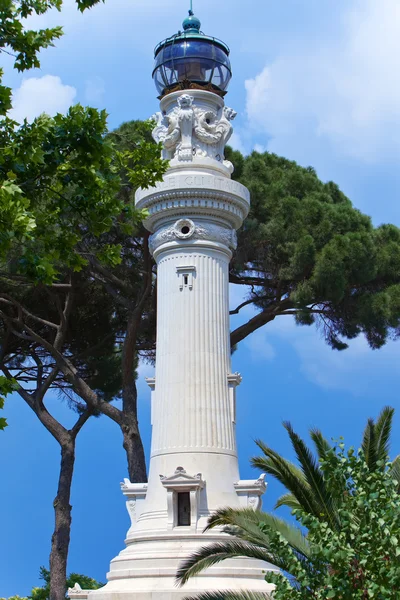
{"x": 185, "y": 230}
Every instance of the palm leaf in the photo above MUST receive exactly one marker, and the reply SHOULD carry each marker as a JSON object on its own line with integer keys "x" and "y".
{"x": 212, "y": 554}
{"x": 315, "y": 478}
{"x": 231, "y": 595}
{"x": 250, "y": 525}
{"x": 288, "y": 500}
{"x": 369, "y": 444}
{"x": 321, "y": 443}
{"x": 383, "y": 429}
{"x": 288, "y": 474}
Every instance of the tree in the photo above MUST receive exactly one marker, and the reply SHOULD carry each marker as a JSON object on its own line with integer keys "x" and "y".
{"x": 60, "y": 182}
{"x": 360, "y": 560}
{"x": 304, "y": 250}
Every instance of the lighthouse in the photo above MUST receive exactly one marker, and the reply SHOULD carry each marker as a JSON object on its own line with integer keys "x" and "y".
{"x": 193, "y": 215}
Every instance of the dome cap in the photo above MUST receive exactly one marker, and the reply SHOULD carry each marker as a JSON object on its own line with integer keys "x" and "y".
{"x": 191, "y": 23}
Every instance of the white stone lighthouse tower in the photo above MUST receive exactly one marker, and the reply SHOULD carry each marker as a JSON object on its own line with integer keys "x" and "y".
{"x": 193, "y": 216}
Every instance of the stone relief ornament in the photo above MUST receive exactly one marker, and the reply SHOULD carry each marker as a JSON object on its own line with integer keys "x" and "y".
{"x": 77, "y": 592}
{"x": 131, "y": 507}
{"x": 189, "y": 131}
{"x": 185, "y": 229}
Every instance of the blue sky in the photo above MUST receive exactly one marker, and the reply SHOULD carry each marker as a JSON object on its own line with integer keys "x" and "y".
{"x": 317, "y": 82}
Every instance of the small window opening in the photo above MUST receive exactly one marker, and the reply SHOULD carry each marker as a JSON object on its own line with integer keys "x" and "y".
{"x": 185, "y": 279}
{"x": 183, "y": 509}
{"x": 185, "y": 230}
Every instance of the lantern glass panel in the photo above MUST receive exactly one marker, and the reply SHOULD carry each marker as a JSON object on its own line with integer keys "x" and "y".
{"x": 196, "y": 60}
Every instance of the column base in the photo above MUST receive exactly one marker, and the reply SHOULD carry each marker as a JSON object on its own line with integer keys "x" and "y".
{"x": 146, "y": 570}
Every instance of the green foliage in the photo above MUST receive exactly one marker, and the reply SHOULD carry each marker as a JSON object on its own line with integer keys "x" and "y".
{"x": 25, "y": 43}
{"x": 359, "y": 560}
{"x": 43, "y": 593}
{"x": 104, "y": 269}
{"x": 60, "y": 177}
{"x": 60, "y": 186}
{"x": 307, "y": 251}
{"x": 66, "y": 205}
{"x": 7, "y": 386}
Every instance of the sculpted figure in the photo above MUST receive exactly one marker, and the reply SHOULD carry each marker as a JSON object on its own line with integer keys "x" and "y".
{"x": 185, "y": 116}
{"x": 212, "y": 131}
{"x": 167, "y": 132}
{"x": 174, "y": 130}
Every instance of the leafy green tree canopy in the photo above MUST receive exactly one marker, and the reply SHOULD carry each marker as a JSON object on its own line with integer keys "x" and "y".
{"x": 61, "y": 191}
{"x": 306, "y": 251}
{"x": 59, "y": 177}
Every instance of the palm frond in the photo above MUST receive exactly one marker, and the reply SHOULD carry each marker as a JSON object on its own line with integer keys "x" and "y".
{"x": 271, "y": 462}
{"x": 230, "y": 595}
{"x": 315, "y": 478}
{"x": 288, "y": 474}
{"x": 321, "y": 443}
{"x": 288, "y": 500}
{"x": 383, "y": 429}
{"x": 255, "y": 527}
{"x": 369, "y": 444}
{"x": 212, "y": 554}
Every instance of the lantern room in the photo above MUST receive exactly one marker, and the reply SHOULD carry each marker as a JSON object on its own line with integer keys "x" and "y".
{"x": 190, "y": 59}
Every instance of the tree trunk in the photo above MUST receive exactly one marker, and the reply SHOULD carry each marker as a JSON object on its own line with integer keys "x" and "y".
{"x": 61, "y": 535}
{"x": 133, "y": 447}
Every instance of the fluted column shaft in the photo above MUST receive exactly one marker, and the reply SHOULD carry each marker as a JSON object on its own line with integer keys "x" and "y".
{"x": 192, "y": 409}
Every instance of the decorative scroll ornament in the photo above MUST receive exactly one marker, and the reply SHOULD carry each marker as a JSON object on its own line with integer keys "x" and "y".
{"x": 189, "y": 131}
{"x": 185, "y": 229}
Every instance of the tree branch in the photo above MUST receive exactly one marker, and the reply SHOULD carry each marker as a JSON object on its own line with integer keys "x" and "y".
{"x": 80, "y": 422}
{"x": 6, "y": 299}
{"x": 259, "y": 320}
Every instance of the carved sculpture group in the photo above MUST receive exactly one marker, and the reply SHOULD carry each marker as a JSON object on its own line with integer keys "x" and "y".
{"x": 189, "y": 130}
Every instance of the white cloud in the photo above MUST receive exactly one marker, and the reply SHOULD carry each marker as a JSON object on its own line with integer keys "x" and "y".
{"x": 259, "y": 346}
{"x": 236, "y": 142}
{"x": 357, "y": 369}
{"x": 94, "y": 91}
{"x": 37, "y": 95}
{"x": 260, "y": 148}
{"x": 344, "y": 88}
{"x": 145, "y": 370}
